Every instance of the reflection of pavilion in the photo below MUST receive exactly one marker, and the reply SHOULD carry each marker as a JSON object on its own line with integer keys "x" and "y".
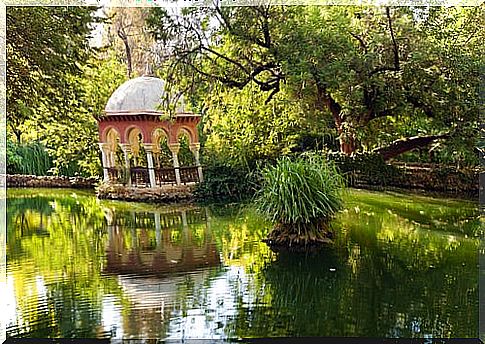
{"x": 158, "y": 243}
{"x": 156, "y": 256}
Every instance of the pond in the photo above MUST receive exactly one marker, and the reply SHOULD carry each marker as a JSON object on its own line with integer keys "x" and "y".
{"x": 77, "y": 267}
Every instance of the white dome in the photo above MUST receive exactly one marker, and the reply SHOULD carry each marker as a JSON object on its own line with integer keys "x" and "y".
{"x": 140, "y": 94}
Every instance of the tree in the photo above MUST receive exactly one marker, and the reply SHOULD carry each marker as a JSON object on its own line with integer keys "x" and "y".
{"x": 45, "y": 45}
{"x": 259, "y": 131}
{"x": 127, "y": 36}
{"x": 371, "y": 69}
{"x": 72, "y": 139}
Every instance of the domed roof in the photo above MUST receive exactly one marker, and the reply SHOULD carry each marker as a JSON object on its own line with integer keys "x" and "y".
{"x": 139, "y": 95}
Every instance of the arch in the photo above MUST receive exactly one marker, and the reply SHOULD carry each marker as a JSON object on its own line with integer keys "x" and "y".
{"x": 133, "y": 130}
{"x": 112, "y": 138}
{"x": 185, "y": 140}
{"x": 161, "y": 151}
{"x": 157, "y": 133}
{"x": 107, "y": 131}
{"x": 133, "y": 138}
{"x": 184, "y": 130}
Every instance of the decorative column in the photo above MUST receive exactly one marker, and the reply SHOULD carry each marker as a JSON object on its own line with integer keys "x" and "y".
{"x": 175, "y": 148}
{"x": 158, "y": 231}
{"x": 151, "y": 172}
{"x": 104, "y": 153}
{"x": 111, "y": 158}
{"x": 185, "y": 225}
{"x": 195, "y": 148}
{"x": 126, "y": 148}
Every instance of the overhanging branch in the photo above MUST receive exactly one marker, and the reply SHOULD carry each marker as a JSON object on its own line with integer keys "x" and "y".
{"x": 405, "y": 145}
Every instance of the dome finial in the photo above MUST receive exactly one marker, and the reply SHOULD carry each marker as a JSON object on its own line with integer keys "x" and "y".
{"x": 148, "y": 68}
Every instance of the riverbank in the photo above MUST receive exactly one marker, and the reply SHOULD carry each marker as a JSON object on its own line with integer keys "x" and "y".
{"x": 422, "y": 182}
{"x": 467, "y": 196}
{"x": 164, "y": 194}
{"x": 31, "y": 181}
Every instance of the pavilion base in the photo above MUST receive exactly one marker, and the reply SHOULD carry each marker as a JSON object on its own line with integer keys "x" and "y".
{"x": 164, "y": 194}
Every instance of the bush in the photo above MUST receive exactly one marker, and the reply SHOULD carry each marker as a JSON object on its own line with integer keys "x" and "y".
{"x": 27, "y": 158}
{"x": 224, "y": 183}
{"x": 300, "y": 196}
{"x": 366, "y": 168}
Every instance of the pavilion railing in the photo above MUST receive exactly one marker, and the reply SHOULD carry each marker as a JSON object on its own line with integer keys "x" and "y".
{"x": 189, "y": 174}
{"x": 114, "y": 174}
{"x": 140, "y": 176}
{"x": 165, "y": 176}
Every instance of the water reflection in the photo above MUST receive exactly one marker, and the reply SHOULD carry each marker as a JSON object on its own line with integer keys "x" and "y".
{"x": 161, "y": 258}
{"x": 78, "y": 267}
{"x": 156, "y": 243}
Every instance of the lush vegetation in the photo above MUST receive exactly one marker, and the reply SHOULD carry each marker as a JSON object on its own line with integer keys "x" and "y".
{"x": 300, "y": 197}
{"x": 389, "y": 80}
{"x": 30, "y": 158}
{"x": 376, "y": 84}
{"x": 56, "y": 84}
{"x": 227, "y": 183}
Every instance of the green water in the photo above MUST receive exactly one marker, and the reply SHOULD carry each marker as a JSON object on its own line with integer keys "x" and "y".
{"x": 401, "y": 266}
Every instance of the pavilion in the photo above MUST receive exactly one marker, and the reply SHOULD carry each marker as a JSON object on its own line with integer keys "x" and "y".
{"x": 140, "y": 143}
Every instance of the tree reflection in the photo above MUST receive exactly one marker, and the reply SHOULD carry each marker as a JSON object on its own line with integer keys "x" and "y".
{"x": 386, "y": 276}
{"x": 54, "y": 242}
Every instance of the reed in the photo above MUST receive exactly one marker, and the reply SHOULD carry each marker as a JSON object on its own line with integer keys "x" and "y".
{"x": 300, "y": 196}
{"x": 30, "y": 159}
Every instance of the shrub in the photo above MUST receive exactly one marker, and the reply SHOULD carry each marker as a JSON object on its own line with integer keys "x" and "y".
{"x": 300, "y": 196}
{"x": 224, "y": 183}
{"x": 367, "y": 168}
{"x": 27, "y": 158}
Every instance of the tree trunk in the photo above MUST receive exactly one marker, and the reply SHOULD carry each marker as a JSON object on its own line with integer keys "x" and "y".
{"x": 17, "y": 132}
{"x": 124, "y": 38}
{"x": 347, "y": 142}
{"x": 405, "y": 145}
{"x": 347, "y": 147}
{"x": 18, "y": 135}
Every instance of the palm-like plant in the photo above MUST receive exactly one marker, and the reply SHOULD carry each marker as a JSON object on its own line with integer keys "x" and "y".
{"x": 300, "y": 197}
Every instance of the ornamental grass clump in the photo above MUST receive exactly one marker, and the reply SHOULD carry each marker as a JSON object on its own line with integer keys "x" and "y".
{"x": 300, "y": 197}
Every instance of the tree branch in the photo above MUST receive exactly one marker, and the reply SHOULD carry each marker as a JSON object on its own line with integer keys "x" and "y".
{"x": 361, "y": 41}
{"x": 404, "y": 145}
{"x": 395, "y": 50}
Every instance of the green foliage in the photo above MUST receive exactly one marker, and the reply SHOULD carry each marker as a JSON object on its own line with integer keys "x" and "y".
{"x": 72, "y": 139}
{"x": 185, "y": 156}
{"x": 300, "y": 192}
{"x": 241, "y": 129}
{"x": 365, "y": 168}
{"x": 57, "y": 85}
{"x": 45, "y": 47}
{"x": 70, "y": 132}
{"x": 28, "y": 158}
{"x": 379, "y": 74}
{"x": 226, "y": 183}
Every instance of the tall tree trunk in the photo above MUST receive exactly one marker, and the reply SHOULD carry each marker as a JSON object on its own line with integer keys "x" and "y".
{"x": 18, "y": 135}
{"x": 347, "y": 146}
{"x": 17, "y": 132}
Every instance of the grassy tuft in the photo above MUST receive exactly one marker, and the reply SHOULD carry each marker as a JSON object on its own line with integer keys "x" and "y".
{"x": 300, "y": 196}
